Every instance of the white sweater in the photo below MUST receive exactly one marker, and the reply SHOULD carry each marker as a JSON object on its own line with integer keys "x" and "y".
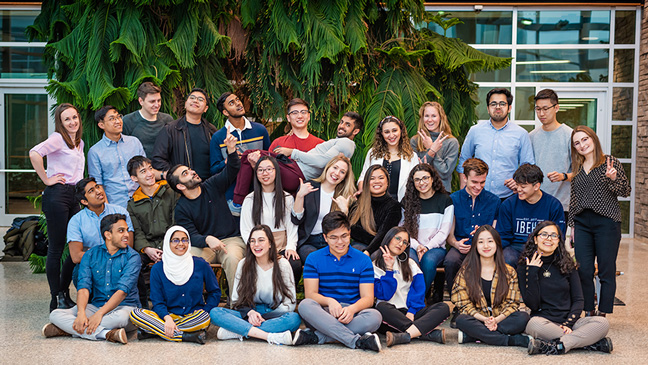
{"x": 267, "y": 218}
{"x": 265, "y": 289}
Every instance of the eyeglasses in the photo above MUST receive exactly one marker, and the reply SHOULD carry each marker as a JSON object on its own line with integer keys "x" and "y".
{"x": 114, "y": 118}
{"x": 399, "y": 239}
{"x": 424, "y": 179}
{"x": 176, "y": 241}
{"x": 295, "y": 113}
{"x": 545, "y": 235}
{"x": 545, "y": 109}
{"x": 501, "y": 104}
{"x": 194, "y": 97}
{"x": 263, "y": 171}
{"x": 343, "y": 237}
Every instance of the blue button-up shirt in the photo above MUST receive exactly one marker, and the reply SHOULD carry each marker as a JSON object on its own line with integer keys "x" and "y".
{"x": 107, "y": 162}
{"x": 504, "y": 150}
{"x": 468, "y": 216}
{"x": 103, "y": 274}
{"x": 85, "y": 226}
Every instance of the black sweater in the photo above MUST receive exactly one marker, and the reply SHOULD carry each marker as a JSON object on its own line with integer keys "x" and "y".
{"x": 558, "y": 298}
{"x": 387, "y": 214}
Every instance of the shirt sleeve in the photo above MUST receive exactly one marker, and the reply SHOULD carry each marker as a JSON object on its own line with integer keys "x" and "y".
{"x": 513, "y": 298}
{"x": 183, "y": 219}
{"x": 158, "y": 297}
{"x": 318, "y": 158}
{"x": 130, "y": 272}
{"x": 391, "y": 220}
{"x": 384, "y": 284}
{"x": 217, "y": 162}
{"x": 526, "y": 150}
{"x": 85, "y": 272}
{"x": 52, "y": 144}
{"x": 445, "y": 162}
{"x": 94, "y": 165}
{"x": 160, "y": 158}
{"x": 467, "y": 150}
{"x": 365, "y": 165}
{"x": 529, "y": 286}
{"x": 291, "y": 229}
{"x": 246, "y": 224}
{"x": 577, "y": 300}
{"x": 211, "y": 285}
{"x": 416, "y": 296}
{"x": 439, "y": 239}
{"x": 620, "y": 186}
{"x": 139, "y": 242}
{"x": 74, "y": 233}
{"x": 505, "y": 224}
{"x": 460, "y": 296}
{"x": 287, "y": 304}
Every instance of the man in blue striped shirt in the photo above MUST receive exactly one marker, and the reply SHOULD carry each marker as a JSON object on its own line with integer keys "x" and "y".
{"x": 339, "y": 289}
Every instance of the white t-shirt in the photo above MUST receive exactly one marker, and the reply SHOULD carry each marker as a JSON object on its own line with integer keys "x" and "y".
{"x": 326, "y": 199}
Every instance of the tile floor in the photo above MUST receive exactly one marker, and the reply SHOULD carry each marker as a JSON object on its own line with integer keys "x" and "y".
{"x": 23, "y": 312}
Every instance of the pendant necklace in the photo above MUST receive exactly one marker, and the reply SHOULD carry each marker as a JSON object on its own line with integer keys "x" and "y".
{"x": 546, "y": 272}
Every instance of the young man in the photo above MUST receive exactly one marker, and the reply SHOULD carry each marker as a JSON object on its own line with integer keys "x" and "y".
{"x": 146, "y": 123}
{"x": 186, "y": 140}
{"x": 501, "y": 143}
{"x": 298, "y": 116}
{"x": 309, "y": 164}
{"x": 339, "y": 289}
{"x": 202, "y": 210}
{"x": 84, "y": 227}
{"x": 519, "y": 214}
{"x": 107, "y": 289}
{"x": 107, "y": 159}
{"x": 552, "y": 147}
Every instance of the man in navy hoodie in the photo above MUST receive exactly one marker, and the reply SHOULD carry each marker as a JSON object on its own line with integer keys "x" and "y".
{"x": 519, "y": 214}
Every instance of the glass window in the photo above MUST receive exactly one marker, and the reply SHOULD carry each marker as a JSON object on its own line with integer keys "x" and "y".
{"x": 624, "y": 65}
{"x": 621, "y": 141}
{"x": 622, "y": 103}
{"x": 524, "y": 103}
{"x": 486, "y": 27}
{"x": 578, "y": 111}
{"x": 503, "y": 75}
{"x": 563, "y": 27}
{"x": 625, "y": 217}
{"x": 627, "y": 168}
{"x": 562, "y": 65}
{"x": 22, "y": 62}
{"x": 14, "y": 22}
{"x": 624, "y": 29}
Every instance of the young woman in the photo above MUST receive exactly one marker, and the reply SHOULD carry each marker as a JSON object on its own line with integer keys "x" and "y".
{"x": 400, "y": 291}
{"x": 264, "y": 296}
{"x": 266, "y": 206}
{"x": 332, "y": 191}
{"x": 375, "y": 212}
{"x": 428, "y": 213}
{"x": 391, "y": 150}
{"x": 435, "y": 143}
{"x": 551, "y": 288}
{"x": 65, "y": 166}
{"x": 492, "y": 318}
{"x": 180, "y": 312}
{"x": 595, "y": 216}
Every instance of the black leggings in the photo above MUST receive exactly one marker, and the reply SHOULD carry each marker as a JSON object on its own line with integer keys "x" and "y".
{"x": 59, "y": 205}
{"x": 426, "y": 320}
{"x": 512, "y": 325}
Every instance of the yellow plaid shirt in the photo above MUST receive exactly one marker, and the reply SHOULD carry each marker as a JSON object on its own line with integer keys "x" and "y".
{"x": 511, "y": 304}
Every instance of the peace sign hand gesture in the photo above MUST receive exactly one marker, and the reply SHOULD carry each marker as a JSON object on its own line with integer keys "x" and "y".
{"x": 389, "y": 259}
{"x": 610, "y": 171}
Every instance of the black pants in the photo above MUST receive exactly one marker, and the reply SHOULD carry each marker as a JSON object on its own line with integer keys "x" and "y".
{"x": 296, "y": 266}
{"x": 511, "y": 325}
{"x": 426, "y": 320}
{"x": 596, "y": 236}
{"x": 452, "y": 264}
{"x": 59, "y": 205}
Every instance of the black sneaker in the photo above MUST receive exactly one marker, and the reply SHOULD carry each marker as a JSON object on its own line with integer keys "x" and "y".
{"x": 453, "y": 320}
{"x": 305, "y": 337}
{"x": 603, "y": 345}
{"x": 437, "y": 336}
{"x": 369, "y": 341}
{"x": 143, "y": 335}
{"x": 538, "y": 346}
{"x": 462, "y": 337}
{"x": 518, "y": 340}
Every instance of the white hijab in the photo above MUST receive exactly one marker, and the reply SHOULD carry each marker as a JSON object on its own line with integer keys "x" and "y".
{"x": 178, "y": 269}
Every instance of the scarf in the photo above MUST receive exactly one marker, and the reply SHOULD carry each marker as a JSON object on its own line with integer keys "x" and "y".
{"x": 178, "y": 269}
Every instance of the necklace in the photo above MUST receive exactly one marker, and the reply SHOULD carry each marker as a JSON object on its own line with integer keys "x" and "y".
{"x": 546, "y": 272}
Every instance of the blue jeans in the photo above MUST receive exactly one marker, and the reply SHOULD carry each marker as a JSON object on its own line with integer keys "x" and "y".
{"x": 512, "y": 254}
{"x": 232, "y": 320}
{"x": 429, "y": 263}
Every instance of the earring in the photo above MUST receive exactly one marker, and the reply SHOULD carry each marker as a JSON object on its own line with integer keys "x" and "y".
{"x": 404, "y": 257}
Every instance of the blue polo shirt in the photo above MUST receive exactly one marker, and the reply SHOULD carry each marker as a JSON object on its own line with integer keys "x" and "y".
{"x": 339, "y": 279}
{"x": 85, "y": 226}
{"x": 103, "y": 274}
{"x": 467, "y": 216}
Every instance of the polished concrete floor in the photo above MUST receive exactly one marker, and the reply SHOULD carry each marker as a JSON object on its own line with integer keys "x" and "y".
{"x": 24, "y": 301}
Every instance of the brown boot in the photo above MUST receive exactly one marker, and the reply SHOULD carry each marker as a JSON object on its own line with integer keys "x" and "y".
{"x": 394, "y": 338}
{"x": 118, "y": 335}
{"x": 50, "y": 330}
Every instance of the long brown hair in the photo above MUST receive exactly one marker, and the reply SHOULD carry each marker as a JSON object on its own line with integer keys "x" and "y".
{"x": 444, "y": 125}
{"x": 363, "y": 211}
{"x": 248, "y": 284}
{"x": 471, "y": 269}
{"x": 406, "y": 270}
{"x": 58, "y": 125}
{"x": 379, "y": 148}
{"x": 577, "y": 158}
{"x": 412, "y": 200}
{"x": 279, "y": 200}
{"x": 346, "y": 187}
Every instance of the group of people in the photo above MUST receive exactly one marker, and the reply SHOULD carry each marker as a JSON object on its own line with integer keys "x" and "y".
{"x": 272, "y": 213}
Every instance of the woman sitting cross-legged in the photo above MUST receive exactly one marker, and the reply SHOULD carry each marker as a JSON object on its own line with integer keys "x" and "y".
{"x": 492, "y": 318}
{"x": 179, "y": 311}
{"x": 400, "y": 289}
{"x": 551, "y": 288}
{"x": 264, "y": 295}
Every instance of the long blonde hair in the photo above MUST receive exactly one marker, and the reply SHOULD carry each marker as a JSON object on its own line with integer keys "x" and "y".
{"x": 346, "y": 187}
{"x": 444, "y": 125}
{"x": 363, "y": 211}
{"x": 577, "y": 158}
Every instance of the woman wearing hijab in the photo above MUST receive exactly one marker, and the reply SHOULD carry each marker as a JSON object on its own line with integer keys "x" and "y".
{"x": 180, "y": 313}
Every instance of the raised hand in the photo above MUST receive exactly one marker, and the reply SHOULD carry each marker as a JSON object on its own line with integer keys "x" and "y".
{"x": 610, "y": 171}
{"x": 389, "y": 259}
{"x": 535, "y": 260}
{"x": 305, "y": 188}
{"x": 555, "y": 176}
{"x": 425, "y": 139}
{"x": 343, "y": 203}
{"x": 230, "y": 142}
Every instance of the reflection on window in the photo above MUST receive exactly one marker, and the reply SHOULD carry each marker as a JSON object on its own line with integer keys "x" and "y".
{"x": 503, "y": 75}
{"x": 486, "y": 27}
{"x": 624, "y": 65}
{"x": 524, "y": 103}
{"x": 578, "y": 111}
{"x": 562, "y": 65}
{"x": 622, "y": 103}
{"x": 621, "y": 141}
{"x": 14, "y": 22}
{"x": 25, "y": 126}
{"x": 22, "y": 62}
{"x": 624, "y": 28}
{"x": 563, "y": 27}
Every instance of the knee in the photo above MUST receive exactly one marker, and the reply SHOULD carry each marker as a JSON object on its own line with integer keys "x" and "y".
{"x": 307, "y": 306}
{"x": 216, "y": 312}
{"x": 464, "y": 320}
{"x": 294, "y": 320}
{"x": 442, "y": 307}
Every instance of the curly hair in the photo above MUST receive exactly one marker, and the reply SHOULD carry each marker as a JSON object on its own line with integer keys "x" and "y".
{"x": 565, "y": 263}
{"x": 412, "y": 201}
{"x": 380, "y": 149}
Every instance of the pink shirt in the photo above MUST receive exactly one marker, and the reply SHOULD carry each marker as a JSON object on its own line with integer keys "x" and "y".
{"x": 61, "y": 159}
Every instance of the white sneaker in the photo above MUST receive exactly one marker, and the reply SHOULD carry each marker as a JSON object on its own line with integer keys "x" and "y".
{"x": 282, "y": 338}
{"x": 224, "y": 334}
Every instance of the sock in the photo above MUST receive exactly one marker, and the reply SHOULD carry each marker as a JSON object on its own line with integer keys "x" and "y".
{"x": 102, "y": 334}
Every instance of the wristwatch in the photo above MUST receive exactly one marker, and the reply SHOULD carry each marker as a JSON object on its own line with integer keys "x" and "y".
{"x": 564, "y": 176}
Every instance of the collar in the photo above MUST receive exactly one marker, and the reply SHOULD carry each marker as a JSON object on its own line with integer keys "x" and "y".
{"x": 247, "y": 125}
{"x": 468, "y": 196}
{"x": 107, "y": 141}
{"x": 348, "y": 254}
{"x": 139, "y": 195}
{"x": 490, "y": 123}
{"x": 119, "y": 252}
